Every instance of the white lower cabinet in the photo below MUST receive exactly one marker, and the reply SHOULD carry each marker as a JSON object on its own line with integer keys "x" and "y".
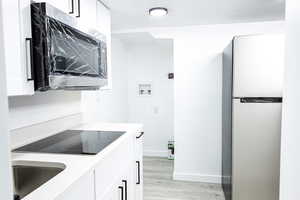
{"x": 113, "y": 176}
{"x": 118, "y": 176}
{"x": 112, "y": 193}
{"x": 127, "y": 184}
{"x": 83, "y": 189}
{"x": 139, "y": 175}
{"x": 122, "y": 188}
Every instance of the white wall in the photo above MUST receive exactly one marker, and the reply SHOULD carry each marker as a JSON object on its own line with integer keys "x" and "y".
{"x": 290, "y": 159}
{"x": 5, "y": 165}
{"x": 136, "y": 60}
{"x": 29, "y": 110}
{"x": 110, "y": 105}
{"x": 149, "y": 63}
{"x": 41, "y": 115}
{"x": 198, "y": 84}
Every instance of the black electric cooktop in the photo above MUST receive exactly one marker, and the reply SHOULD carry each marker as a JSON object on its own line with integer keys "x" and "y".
{"x": 73, "y": 142}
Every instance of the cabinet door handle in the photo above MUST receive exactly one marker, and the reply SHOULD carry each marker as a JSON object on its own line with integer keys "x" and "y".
{"x": 141, "y": 135}
{"x": 126, "y": 192}
{"x": 122, "y": 192}
{"x": 139, "y": 172}
{"x": 29, "y": 59}
{"x": 78, "y": 8}
{"x": 71, "y": 2}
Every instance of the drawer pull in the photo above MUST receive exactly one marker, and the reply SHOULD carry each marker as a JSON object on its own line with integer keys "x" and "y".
{"x": 29, "y": 59}
{"x": 141, "y": 135}
{"x": 126, "y": 192}
{"x": 122, "y": 192}
{"x": 78, "y": 14}
{"x": 72, "y": 7}
{"x": 139, "y": 172}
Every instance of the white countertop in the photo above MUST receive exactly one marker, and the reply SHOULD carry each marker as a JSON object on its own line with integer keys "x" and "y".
{"x": 76, "y": 165}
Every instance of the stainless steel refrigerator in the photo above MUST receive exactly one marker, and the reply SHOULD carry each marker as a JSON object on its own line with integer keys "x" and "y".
{"x": 253, "y": 70}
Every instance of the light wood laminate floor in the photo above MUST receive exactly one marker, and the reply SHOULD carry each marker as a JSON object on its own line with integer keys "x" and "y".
{"x": 158, "y": 184}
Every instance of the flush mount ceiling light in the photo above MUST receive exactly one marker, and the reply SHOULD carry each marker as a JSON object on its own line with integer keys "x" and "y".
{"x": 158, "y": 11}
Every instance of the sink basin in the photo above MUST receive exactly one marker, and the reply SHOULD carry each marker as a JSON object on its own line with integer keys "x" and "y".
{"x": 28, "y": 176}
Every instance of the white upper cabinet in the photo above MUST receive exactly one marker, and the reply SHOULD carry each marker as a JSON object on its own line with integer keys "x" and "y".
{"x": 17, "y": 37}
{"x": 86, "y": 12}
{"x": 64, "y": 5}
{"x": 83, "y": 10}
{"x": 17, "y": 47}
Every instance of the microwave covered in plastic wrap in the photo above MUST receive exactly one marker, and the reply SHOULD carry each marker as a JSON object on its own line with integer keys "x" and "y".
{"x": 64, "y": 55}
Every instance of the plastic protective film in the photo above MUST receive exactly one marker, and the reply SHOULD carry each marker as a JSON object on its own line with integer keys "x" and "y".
{"x": 72, "y": 59}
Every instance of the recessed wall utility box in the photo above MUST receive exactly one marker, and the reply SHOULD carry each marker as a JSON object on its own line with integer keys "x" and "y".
{"x": 145, "y": 89}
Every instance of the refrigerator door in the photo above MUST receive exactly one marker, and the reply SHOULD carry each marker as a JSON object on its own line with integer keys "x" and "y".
{"x": 256, "y": 149}
{"x": 258, "y": 66}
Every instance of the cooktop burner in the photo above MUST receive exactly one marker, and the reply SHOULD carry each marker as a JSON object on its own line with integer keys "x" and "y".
{"x": 73, "y": 142}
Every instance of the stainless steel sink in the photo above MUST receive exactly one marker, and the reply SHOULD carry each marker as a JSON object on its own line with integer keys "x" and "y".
{"x": 28, "y": 176}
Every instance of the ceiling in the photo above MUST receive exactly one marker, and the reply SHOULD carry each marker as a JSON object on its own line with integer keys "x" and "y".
{"x": 132, "y": 14}
{"x": 143, "y": 38}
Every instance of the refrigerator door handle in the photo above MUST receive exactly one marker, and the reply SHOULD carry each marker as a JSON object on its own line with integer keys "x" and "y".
{"x": 261, "y": 100}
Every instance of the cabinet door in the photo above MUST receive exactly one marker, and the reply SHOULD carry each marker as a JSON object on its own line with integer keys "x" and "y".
{"x": 139, "y": 180}
{"x": 120, "y": 190}
{"x": 128, "y": 183}
{"x": 111, "y": 170}
{"x": 64, "y": 5}
{"x": 124, "y": 186}
{"x": 85, "y": 11}
{"x": 114, "y": 193}
{"x": 84, "y": 188}
{"x": 17, "y": 44}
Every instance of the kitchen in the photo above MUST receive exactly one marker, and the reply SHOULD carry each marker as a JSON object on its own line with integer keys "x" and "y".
{"x": 177, "y": 59}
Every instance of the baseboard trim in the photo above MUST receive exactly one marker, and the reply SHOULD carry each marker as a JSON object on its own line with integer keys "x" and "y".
{"x": 194, "y": 177}
{"x": 151, "y": 153}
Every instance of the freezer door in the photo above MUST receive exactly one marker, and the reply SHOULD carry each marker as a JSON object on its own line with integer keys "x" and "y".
{"x": 256, "y": 150}
{"x": 258, "y": 66}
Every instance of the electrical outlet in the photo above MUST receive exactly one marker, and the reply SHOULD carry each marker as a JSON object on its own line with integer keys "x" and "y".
{"x": 156, "y": 109}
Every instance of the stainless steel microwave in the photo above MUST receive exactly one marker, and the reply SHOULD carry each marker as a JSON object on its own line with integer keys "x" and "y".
{"x": 65, "y": 56}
